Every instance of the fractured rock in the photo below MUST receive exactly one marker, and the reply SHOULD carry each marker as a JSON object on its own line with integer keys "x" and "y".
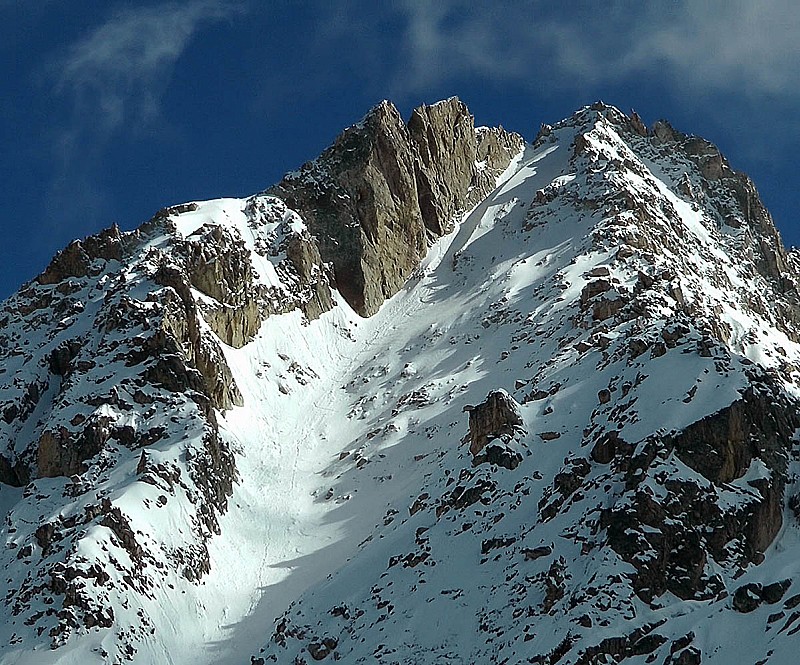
{"x": 498, "y": 417}
{"x": 372, "y": 197}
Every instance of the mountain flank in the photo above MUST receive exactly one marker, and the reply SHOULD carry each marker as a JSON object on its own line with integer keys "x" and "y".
{"x": 440, "y": 395}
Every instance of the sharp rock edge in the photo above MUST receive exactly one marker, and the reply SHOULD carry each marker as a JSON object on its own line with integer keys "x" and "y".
{"x": 440, "y": 395}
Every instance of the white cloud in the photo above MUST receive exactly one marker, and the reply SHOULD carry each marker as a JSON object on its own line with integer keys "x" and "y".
{"x": 114, "y": 78}
{"x": 118, "y": 72}
{"x": 461, "y": 38}
{"x": 724, "y": 46}
{"x": 716, "y": 45}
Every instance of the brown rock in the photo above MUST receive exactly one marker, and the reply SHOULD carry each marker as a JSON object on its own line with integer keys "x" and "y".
{"x": 593, "y": 289}
{"x": 219, "y": 265}
{"x": 609, "y": 446}
{"x": 637, "y": 125}
{"x": 321, "y": 649}
{"x": 371, "y": 198}
{"x": 497, "y": 417}
{"x": 72, "y": 261}
{"x": 62, "y": 356}
{"x": 549, "y": 436}
{"x": 533, "y": 553}
{"x": 747, "y": 598}
{"x": 722, "y": 445}
{"x": 446, "y": 146}
{"x": 75, "y": 259}
{"x": 186, "y": 357}
{"x": 62, "y": 453}
{"x": 359, "y": 199}
{"x": 664, "y": 133}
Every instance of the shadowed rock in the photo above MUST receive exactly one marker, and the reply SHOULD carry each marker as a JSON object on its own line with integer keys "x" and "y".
{"x": 498, "y": 417}
{"x": 372, "y": 198}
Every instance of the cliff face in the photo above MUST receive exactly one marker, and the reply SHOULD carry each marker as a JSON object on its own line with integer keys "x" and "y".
{"x": 457, "y": 164}
{"x": 384, "y": 188}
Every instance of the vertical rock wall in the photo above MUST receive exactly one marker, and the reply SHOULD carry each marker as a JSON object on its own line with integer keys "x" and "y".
{"x": 372, "y": 198}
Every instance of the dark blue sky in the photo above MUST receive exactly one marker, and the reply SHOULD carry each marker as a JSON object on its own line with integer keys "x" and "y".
{"x": 111, "y": 110}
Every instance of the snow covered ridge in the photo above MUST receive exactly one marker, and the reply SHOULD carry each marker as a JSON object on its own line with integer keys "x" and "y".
{"x": 566, "y": 435}
{"x": 113, "y": 376}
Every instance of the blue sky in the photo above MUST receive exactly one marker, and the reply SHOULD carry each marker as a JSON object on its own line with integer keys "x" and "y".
{"x": 111, "y": 110}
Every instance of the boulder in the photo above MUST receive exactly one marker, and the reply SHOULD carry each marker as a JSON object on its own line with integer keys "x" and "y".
{"x": 498, "y": 417}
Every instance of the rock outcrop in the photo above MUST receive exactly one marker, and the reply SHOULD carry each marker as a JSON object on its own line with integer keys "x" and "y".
{"x": 304, "y": 278}
{"x": 185, "y": 358}
{"x": 359, "y": 199}
{"x": 456, "y": 164}
{"x": 375, "y": 195}
{"x": 498, "y": 417}
{"x": 81, "y": 257}
{"x": 674, "y": 542}
{"x": 219, "y": 266}
{"x": 734, "y": 197}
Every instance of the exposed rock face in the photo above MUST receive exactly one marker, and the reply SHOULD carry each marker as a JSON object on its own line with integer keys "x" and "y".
{"x": 185, "y": 358}
{"x": 692, "y": 525}
{"x": 219, "y": 266}
{"x": 494, "y": 152}
{"x": 722, "y": 447}
{"x": 735, "y": 197}
{"x": 359, "y": 199}
{"x": 445, "y": 163}
{"x": 749, "y": 597}
{"x": 370, "y": 198}
{"x": 498, "y": 417}
{"x": 456, "y": 165}
{"x": 76, "y": 260}
{"x": 62, "y": 453}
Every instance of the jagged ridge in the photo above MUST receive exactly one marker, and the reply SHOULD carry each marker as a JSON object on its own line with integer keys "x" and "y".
{"x": 383, "y": 187}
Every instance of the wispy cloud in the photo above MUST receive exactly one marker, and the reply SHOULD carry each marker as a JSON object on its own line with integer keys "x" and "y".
{"x": 729, "y": 45}
{"x": 113, "y": 79}
{"x": 118, "y": 72}
{"x": 716, "y": 44}
{"x": 444, "y": 40}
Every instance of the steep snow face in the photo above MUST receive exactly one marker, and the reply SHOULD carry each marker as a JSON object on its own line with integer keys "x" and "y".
{"x": 622, "y": 289}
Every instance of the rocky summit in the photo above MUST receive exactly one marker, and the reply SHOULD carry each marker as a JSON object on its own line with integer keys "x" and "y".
{"x": 441, "y": 395}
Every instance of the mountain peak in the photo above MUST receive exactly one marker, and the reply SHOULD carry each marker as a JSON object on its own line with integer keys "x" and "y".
{"x": 440, "y": 394}
{"x": 383, "y": 188}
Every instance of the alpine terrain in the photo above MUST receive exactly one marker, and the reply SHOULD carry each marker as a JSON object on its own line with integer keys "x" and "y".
{"x": 439, "y": 396}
